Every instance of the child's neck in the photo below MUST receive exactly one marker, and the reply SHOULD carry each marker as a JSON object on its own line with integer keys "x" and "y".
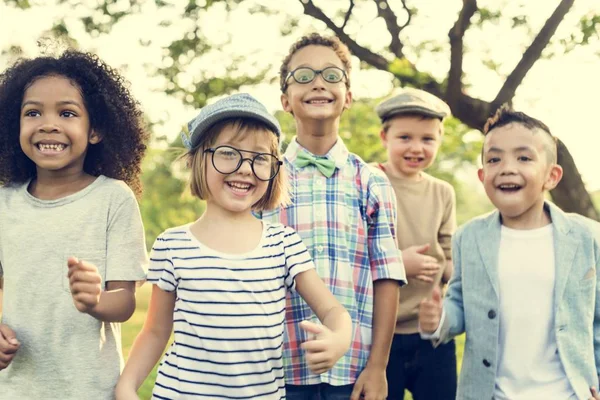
{"x": 396, "y": 173}
{"x": 227, "y": 232}
{"x": 49, "y": 186}
{"x": 535, "y": 218}
{"x": 317, "y": 136}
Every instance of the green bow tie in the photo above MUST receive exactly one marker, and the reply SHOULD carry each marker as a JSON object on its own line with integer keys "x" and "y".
{"x": 324, "y": 165}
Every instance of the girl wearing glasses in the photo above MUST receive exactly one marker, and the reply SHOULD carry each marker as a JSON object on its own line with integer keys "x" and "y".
{"x": 220, "y": 282}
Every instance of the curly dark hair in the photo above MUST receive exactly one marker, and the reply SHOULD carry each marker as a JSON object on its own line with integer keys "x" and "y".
{"x": 113, "y": 112}
{"x": 333, "y": 42}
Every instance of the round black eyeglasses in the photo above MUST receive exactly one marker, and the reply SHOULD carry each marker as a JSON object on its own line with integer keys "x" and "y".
{"x": 227, "y": 160}
{"x": 305, "y": 75}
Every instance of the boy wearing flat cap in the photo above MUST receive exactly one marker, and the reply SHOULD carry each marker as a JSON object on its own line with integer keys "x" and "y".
{"x": 412, "y": 132}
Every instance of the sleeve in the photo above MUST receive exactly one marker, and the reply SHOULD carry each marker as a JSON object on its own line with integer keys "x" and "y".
{"x": 597, "y": 312}
{"x": 161, "y": 271}
{"x": 297, "y": 258}
{"x": 384, "y": 256}
{"x": 126, "y": 253}
{"x": 448, "y": 226}
{"x": 454, "y": 320}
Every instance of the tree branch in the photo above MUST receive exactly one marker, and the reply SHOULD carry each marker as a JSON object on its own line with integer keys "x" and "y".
{"x": 456, "y": 34}
{"x": 359, "y": 51}
{"x": 532, "y": 54}
{"x": 409, "y": 14}
{"x": 348, "y": 14}
{"x": 391, "y": 22}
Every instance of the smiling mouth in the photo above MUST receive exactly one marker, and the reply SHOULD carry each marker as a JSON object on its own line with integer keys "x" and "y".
{"x": 414, "y": 159}
{"x": 51, "y": 148}
{"x": 319, "y": 101}
{"x": 509, "y": 188}
{"x": 239, "y": 187}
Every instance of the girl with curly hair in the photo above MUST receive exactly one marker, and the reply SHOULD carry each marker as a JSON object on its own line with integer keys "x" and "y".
{"x": 71, "y": 235}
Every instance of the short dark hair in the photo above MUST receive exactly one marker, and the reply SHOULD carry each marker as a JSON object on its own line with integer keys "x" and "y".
{"x": 505, "y": 115}
{"x": 340, "y": 49}
{"x": 113, "y": 112}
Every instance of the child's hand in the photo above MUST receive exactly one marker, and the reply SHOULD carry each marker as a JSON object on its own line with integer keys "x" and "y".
{"x": 430, "y": 312}
{"x": 323, "y": 349}
{"x": 595, "y": 395}
{"x": 85, "y": 284}
{"x": 418, "y": 265}
{"x": 8, "y": 346}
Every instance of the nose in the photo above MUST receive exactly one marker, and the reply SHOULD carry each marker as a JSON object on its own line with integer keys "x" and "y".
{"x": 48, "y": 125}
{"x": 508, "y": 168}
{"x": 318, "y": 82}
{"x": 415, "y": 146}
{"x": 245, "y": 167}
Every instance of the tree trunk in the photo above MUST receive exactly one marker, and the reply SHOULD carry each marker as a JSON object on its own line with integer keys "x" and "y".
{"x": 570, "y": 194}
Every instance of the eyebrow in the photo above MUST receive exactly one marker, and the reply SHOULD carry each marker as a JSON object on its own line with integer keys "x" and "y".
{"x": 60, "y": 103}
{"x": 306, "y": 65}
{"x": 499, "y": 150}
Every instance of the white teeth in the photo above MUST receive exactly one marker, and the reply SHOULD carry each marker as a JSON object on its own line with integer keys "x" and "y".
{"x": 509, "y": 187}
{"x": 51, "y": 147}
{"x": 238, "y": 186}
{"x": 319, "y": 101}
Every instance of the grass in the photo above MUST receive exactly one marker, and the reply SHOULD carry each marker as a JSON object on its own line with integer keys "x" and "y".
{"x": 134, "y": 325}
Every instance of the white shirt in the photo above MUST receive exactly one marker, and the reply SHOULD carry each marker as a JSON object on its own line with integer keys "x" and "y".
{"x": 529, "y": 365}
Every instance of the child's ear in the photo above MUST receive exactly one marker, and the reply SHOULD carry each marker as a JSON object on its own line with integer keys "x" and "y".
{"x": 94, "y": 138}
{"x": 348, "y": 99}
{"x": 383, "y": 137}
{"x": 555, "y": 174}
{"x": 480, "y": 174}
{"x": 285, "y": 103}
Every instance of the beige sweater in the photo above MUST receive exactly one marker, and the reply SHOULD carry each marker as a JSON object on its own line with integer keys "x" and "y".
{"x": 426, "y": 214}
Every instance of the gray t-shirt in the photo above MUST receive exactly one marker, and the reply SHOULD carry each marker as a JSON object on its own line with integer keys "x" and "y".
{"x": 65, "y": 354}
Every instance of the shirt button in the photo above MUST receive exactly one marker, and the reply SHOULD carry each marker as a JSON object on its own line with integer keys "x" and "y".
{"x": 491, "y": 314}
{"x": 486, "y": 362}
{"x": 320, "y": 248}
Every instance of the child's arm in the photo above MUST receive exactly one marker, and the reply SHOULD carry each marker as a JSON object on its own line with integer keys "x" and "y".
{"x": 149, "y": 344}
{"x": 115, "y": 304}
{"x": 8, "y": 340}
{"x": 597, "y": 315}
{"x": 431, "y": 311}
{"x": 388, "y": 272}
{"x": 372, "y": 381}
{"x": 332, "y": 340}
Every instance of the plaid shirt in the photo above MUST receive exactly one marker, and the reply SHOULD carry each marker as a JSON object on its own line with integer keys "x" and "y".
{"x": 347, "y": 223}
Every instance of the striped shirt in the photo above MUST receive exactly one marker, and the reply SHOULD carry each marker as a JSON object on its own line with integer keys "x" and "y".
{"x": 347, "y": 222}
{"x": 229, "y": 314}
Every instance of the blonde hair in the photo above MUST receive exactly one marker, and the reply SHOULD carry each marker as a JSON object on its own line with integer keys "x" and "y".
{"x": 197, "y": 160}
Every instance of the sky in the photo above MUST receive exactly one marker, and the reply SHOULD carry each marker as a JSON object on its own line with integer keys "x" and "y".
{"x": 563, "y": 91}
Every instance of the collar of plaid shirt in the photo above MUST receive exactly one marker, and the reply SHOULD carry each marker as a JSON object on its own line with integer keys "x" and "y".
{"x": 338, "y": 154}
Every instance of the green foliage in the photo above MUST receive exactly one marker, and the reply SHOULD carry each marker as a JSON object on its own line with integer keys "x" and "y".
{"x": 166, "y": 201}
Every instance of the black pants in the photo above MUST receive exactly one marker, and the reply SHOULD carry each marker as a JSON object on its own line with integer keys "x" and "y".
{"x": 322, "y": 391}
{"x": 428, "y": 373}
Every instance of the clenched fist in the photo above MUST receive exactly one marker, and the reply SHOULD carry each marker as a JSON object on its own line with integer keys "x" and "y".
{"x": 85, "y": 284}
{"x": 430, "y": 312}
{"x": 9, "y": 345}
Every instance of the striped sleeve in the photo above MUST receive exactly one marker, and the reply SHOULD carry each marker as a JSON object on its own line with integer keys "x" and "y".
{"x": 297, "y": 258}
{"x": 161, "y": 271}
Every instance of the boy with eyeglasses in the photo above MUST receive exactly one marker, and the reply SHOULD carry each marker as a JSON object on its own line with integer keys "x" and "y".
{"x": 345, "y": 213}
